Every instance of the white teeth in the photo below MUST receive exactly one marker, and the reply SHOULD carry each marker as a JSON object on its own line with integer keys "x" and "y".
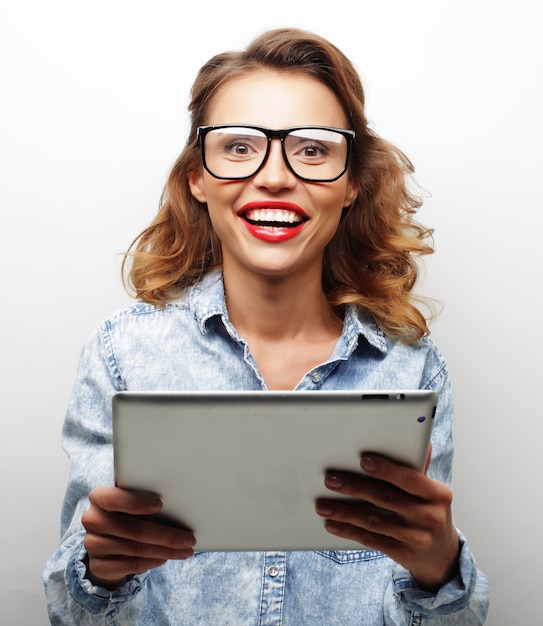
{"x": 273, "y": 215}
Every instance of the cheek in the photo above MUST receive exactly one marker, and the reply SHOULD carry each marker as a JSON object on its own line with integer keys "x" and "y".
{"x": 220, "y": 206}
{"x": 331, "y": 212}
{"x": 332, "y": 201}
{"x": 220, "y": 195}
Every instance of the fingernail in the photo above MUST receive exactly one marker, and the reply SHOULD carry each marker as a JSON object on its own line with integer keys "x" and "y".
{"x": 155, "y": 505}
{"x": 333, "y": 527}
{"x": 369, "y": 464}
{"x": 325, "y": 510}
{"x": 333, "y": 481}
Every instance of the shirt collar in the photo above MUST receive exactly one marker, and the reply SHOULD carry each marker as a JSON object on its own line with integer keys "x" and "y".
{"x": 359, "y": 323}
{"x": 206, "y": 300}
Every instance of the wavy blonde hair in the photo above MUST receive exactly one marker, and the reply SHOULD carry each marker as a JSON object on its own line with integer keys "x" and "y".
{"x": 372, "y": 259}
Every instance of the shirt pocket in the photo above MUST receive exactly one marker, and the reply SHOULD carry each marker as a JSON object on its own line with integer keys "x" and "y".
{"x": 351, "y": 556}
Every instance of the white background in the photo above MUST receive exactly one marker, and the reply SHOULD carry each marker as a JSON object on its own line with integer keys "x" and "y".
{"x": 93, "y": 113}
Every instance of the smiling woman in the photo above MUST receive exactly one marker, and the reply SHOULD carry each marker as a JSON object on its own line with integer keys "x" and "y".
{"x": 378, "y": 232}
{"x": 283, "y": 256}
{"x": 267, "y": 178}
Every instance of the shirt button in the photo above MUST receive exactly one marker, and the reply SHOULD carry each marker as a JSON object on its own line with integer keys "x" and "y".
{"x": 316, "y": 377}
{"x": 273, "y": 571}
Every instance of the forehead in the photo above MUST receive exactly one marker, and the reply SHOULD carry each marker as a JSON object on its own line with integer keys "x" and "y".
{"x": 276, "y": 100}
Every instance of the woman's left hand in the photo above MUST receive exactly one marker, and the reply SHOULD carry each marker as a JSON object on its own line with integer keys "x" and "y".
{"x": 416, "y": 529}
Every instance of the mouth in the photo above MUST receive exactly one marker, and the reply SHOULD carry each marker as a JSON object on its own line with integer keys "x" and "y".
{"x": 273, "y": 218}
{"x": 275, "y": 215}
{"x": 272, "y": 221}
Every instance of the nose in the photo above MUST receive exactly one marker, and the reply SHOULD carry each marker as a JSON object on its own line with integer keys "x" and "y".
{"x": 275, "y": 175}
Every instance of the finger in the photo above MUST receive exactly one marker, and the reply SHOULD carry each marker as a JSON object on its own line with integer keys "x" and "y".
{"x": 115, "y": 499}
{"x": 375, "y": 492}
{"x": 405, "y": 478}
{"x": 133, "y": 528}
{"x": 112, "y": 572}
{"x": 383, "y": 543}
{"x": 428, "y": 458}
{"x": 373, "y": 522}
{"x": 399, "y": 551}
{"x": 436, "y": 568}
{"x": 100, "y": 547}
{"x": 427, "y": 509}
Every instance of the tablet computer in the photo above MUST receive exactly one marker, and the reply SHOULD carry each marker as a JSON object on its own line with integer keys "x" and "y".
{"x": 243, "y": 469}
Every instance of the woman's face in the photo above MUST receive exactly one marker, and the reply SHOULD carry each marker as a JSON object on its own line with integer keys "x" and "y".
{"x": 274, "y": 224}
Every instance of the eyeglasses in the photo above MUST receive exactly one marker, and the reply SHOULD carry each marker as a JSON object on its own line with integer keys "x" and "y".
{"x": 312, "y": 153}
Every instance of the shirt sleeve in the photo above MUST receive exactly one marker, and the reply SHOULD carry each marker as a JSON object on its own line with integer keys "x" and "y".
{"x": 87, "y": 440}
{"x": 464, "y": 600}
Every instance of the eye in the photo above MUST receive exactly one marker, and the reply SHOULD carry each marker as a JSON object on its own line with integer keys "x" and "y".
{"x": 242, "y": 147}
{"x": 238, "y": 147}
{"x": 313, "y": 150}
{"x": 308, "y": 150}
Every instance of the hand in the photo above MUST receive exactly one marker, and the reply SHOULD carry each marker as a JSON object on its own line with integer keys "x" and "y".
{"x": 120, "y": 541}
{"x": 416, "y": 530}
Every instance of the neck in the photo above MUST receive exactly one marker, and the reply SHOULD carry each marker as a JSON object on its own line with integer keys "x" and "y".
{"x": 279, "y": 308}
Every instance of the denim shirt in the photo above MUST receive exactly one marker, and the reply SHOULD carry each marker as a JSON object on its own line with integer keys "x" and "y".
{"x": 191, "y": 345}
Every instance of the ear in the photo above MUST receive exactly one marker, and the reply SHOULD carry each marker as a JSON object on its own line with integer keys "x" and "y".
{"x": 350, "y": 194}
{"x": 196, "y": 185}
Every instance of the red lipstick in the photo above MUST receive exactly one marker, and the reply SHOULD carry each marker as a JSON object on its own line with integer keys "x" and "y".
{"x": 272, "y": 220}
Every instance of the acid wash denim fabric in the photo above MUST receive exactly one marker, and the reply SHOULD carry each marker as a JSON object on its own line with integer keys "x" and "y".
{"x": 191, "y": 344}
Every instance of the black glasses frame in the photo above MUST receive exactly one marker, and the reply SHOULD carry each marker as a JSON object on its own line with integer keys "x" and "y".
{"x": 349, "y": 135}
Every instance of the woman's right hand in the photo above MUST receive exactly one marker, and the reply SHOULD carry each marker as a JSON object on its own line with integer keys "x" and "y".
{"x": 121, "y": 539}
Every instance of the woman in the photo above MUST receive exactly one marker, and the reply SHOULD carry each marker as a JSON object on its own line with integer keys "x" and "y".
{"x": 282, "y": 257}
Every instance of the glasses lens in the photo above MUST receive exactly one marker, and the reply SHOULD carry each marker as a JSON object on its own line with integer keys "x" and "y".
{"x": 316, "y": 153}
{"x": 235, "y": 152}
